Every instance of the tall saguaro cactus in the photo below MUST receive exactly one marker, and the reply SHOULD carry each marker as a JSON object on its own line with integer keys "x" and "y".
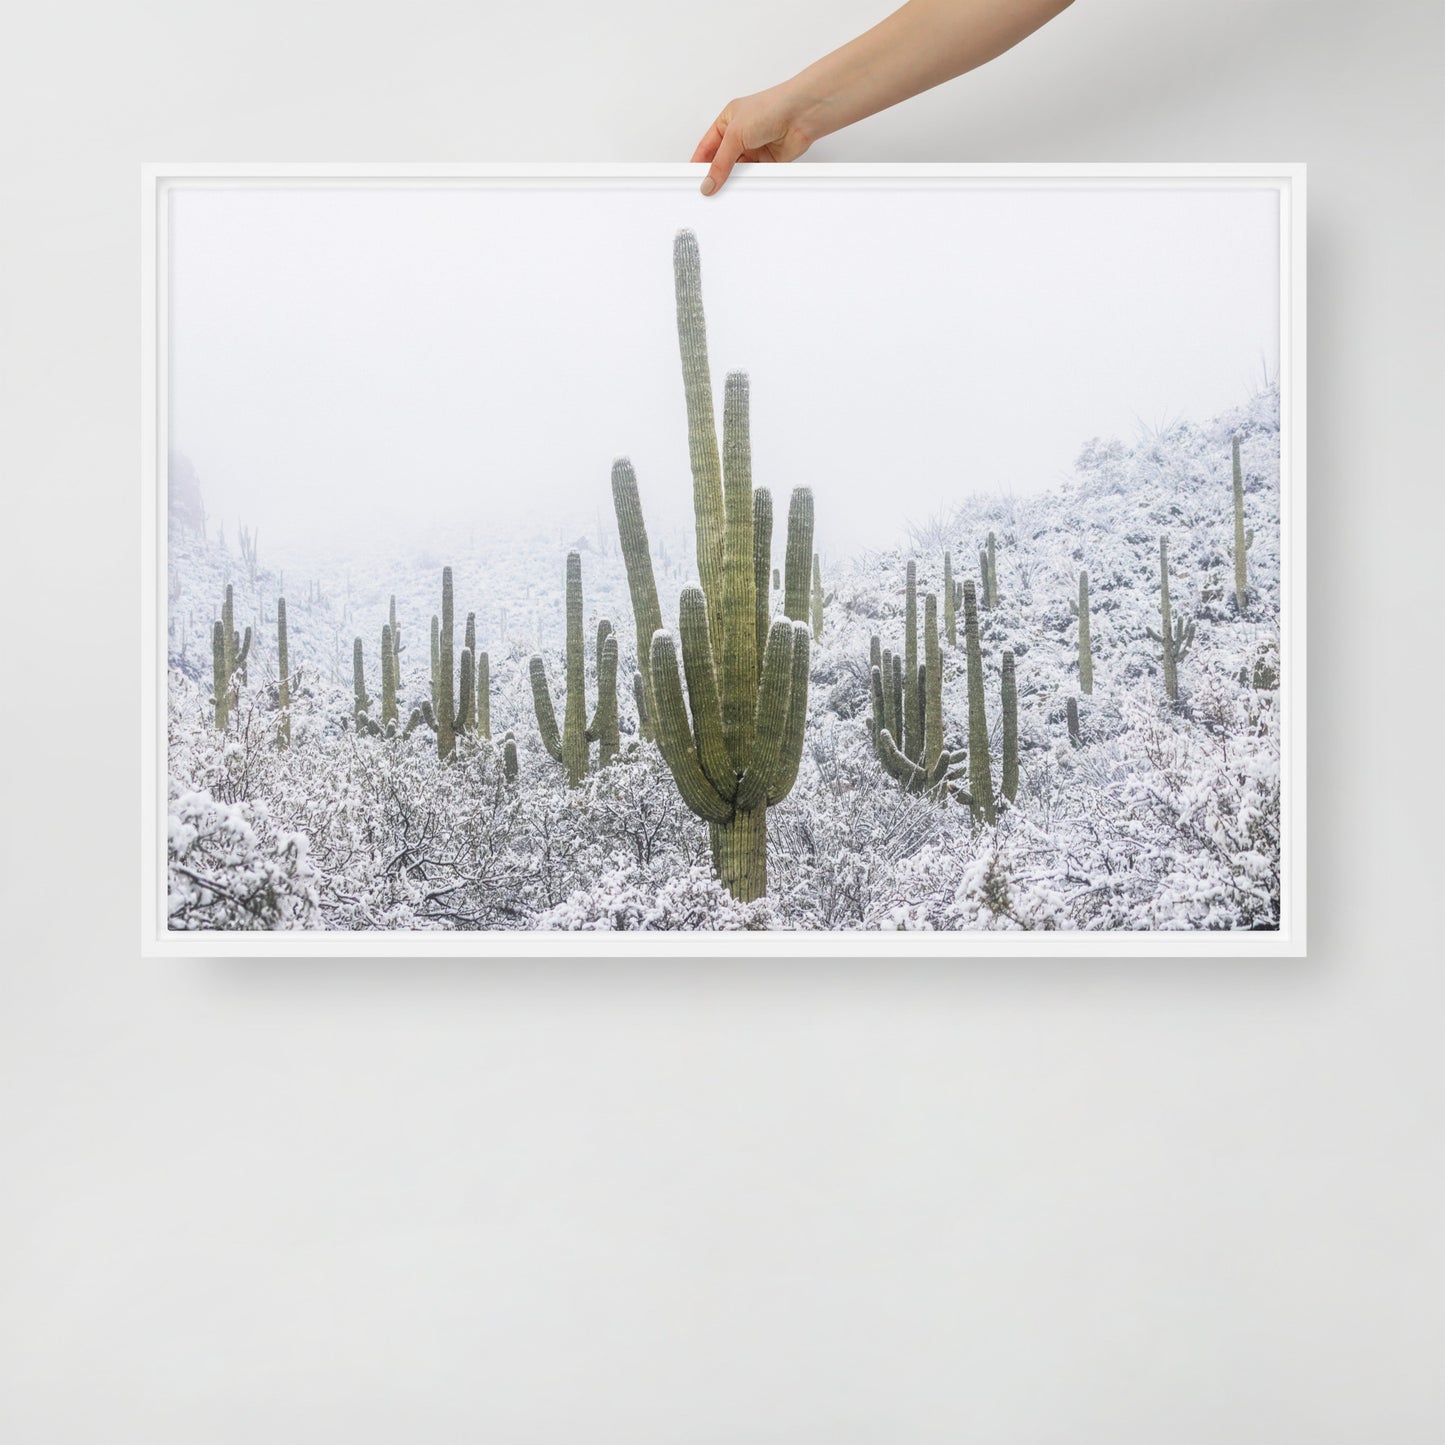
{"x": 1174, "y": 636}
{"x": 1009, "y": 695}
{"x": 570, "y": 746}
{"x": 484, "y": 695}
{"x": 444, "y": 697}
{"x": 283, "y": 676}
{"x": 912, "y": 719}
{"x": 229, "y": 651}
{"x": 1243, "y": 537}
{"x": 980, "y": 773}
{"x": 1080, "y": 609}
{"x": 220, "y": 678}
{"x": 735, "y": 746}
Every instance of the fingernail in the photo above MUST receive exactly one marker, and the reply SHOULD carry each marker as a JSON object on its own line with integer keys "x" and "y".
{"x": 708, "y": 185}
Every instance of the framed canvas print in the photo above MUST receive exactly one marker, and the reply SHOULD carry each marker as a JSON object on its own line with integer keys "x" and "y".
{"x": 875, "y": 560}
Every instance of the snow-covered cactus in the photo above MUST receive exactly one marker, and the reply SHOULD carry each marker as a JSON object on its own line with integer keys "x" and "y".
{"x": 444, "y": 702}
{"x": 1174, "y": 636}
{"x": 990, "y": 575}
{"x": 388, "y": 677}
{"x": 510, "y": 765}
{"x": 777, "y": 577}
{"x": 912, "y": 719}
{"x": 1009, "y": 695}
{"x": 980, "y": 774}
{"x": 639, "y": 698}
{"x": 1080, "y": 609}
{"x": 739, "y": 750}
{"x": 570, "y": 746}
{"x": 361, "y": 703}
{"x": 762, "y": 561}
{"x": 248, "y": 553}
{"x": 1071, "y": 711}
{"x": 221, "y": 683}
{"x": 283, "y": 678}
{"x": 1243, "y": 536}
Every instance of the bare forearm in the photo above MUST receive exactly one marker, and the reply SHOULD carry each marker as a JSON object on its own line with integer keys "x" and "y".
{"x": 921, "y": 45}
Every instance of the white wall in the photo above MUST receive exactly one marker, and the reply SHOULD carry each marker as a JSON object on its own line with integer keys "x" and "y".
{"x": 715, "y": 1202}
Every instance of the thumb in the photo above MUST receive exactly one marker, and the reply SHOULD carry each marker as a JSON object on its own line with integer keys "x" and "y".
{"x": 723, "y": 162}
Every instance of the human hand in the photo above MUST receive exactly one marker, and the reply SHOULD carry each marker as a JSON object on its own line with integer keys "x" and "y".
{"x": 762, "y": 127}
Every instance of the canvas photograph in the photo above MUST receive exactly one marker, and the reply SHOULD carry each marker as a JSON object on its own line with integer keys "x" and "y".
{"x": 853, "y": 558}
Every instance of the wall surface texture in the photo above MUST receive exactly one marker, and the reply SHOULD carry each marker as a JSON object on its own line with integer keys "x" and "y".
{"x": 802, "y": 1203}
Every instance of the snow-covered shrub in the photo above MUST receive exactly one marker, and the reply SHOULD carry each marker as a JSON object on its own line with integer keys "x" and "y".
{"x": 624, "y": 898}
{"x": 228, "y": 866}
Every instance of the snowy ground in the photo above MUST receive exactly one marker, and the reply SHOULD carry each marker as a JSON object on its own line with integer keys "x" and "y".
{"x": 1166, "y": 817}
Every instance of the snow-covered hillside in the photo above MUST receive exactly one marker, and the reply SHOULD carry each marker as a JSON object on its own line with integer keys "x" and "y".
{"x": 1165, "y": 816}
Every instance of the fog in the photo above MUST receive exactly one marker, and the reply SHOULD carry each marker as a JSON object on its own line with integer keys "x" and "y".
{"x": 349, "y": 363}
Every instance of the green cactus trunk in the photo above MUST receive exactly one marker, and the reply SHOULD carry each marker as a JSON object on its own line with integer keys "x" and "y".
{"x": 1071, "y": 711}
{"x": 283, "y": 676}
{"x": 912, "y": 697}
{"x": 604, "y": 730}
{"x": 817, "y": 599}
{"x": 1086, "y": 646}
{"x": 932, "y": 686}
{"x": 389, "y": 714}
{"x": 950, "y": 602}
{"x": 221, "y": 685}
{"x": 1009, "y": 693}
{"x": 467, "y": 692}
{"x": 1243, "y": 538}
{"x": 992, "y": 574}
{"x": 445, "y": 704}
{"x": 762, "y": 562}
{"x": 1173, "y": 637}
{"x": 980, "y": 772}
{"x": 737, "y": 749}
{"x": 361, "y": 703}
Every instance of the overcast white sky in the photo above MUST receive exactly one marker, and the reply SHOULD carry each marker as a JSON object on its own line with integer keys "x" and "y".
{"x": 407, "y": 357}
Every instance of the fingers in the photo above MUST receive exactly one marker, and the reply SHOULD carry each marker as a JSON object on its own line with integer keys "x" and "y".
{"x": 707, "y": 146}
{"x": 724, "y": 158}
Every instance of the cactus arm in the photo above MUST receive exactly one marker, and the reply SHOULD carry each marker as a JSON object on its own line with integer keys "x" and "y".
{"x": 980, "y": 777}
{"x": 484, "y": 695}
{"x": 933, "y": 679}
{"x": 762, "y": 563}
{"x": 780, "y": 782}
{"x": 770, "y": 725}
{"x": 708, "y": 723}
{"x": 445, "y": 705}
{"x": 641, "y": 583}
{"x": 594, "y": 728}
{"x": 608, "y": 737}
{"x": 737, "y": 627}
{"x": 639, "y": 698}
{"x": 510, "y": 765}
{"x": 707, "y": 476}
{"x": 674, "y": 736}
{"x": 818, "y": 599}
{"x": 574, "y": 718}
{"x": 542, "y": 703}
{"x": 466, "y": 692}
{"x": 798, "y": 557}
{"x": 244, "y": 651}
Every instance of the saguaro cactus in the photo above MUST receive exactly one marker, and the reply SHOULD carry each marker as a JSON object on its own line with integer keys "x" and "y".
{"x": 1080, "y": 609}
{"x": 980, "y": 773}
{"x": 991, "y": 574}
{"x": 221, "y": 682}
{"x": 950, "y": 602}
{"x": 740, "y": 750}
{"x": 934, "y": 769}
{"x": 361, "y": 705}
{"x": 1071, "y": 712}
{"x": 912, "y": 718}
{"x": 1173, "y": 636}
{"x": 1009, "y": 695}
{"x": 570, "y": 746}
{"x": 510, "y": 766}
{"x": 444, "y": 700}
{"x": 1243, "y": 537}
{"x": 388, "y": 678}
{"x": 283, "y": 676}
{"x": 817, "y": 599}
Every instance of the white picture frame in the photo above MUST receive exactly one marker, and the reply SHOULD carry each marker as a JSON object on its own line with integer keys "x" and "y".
{"x": 1287, "y": 180}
